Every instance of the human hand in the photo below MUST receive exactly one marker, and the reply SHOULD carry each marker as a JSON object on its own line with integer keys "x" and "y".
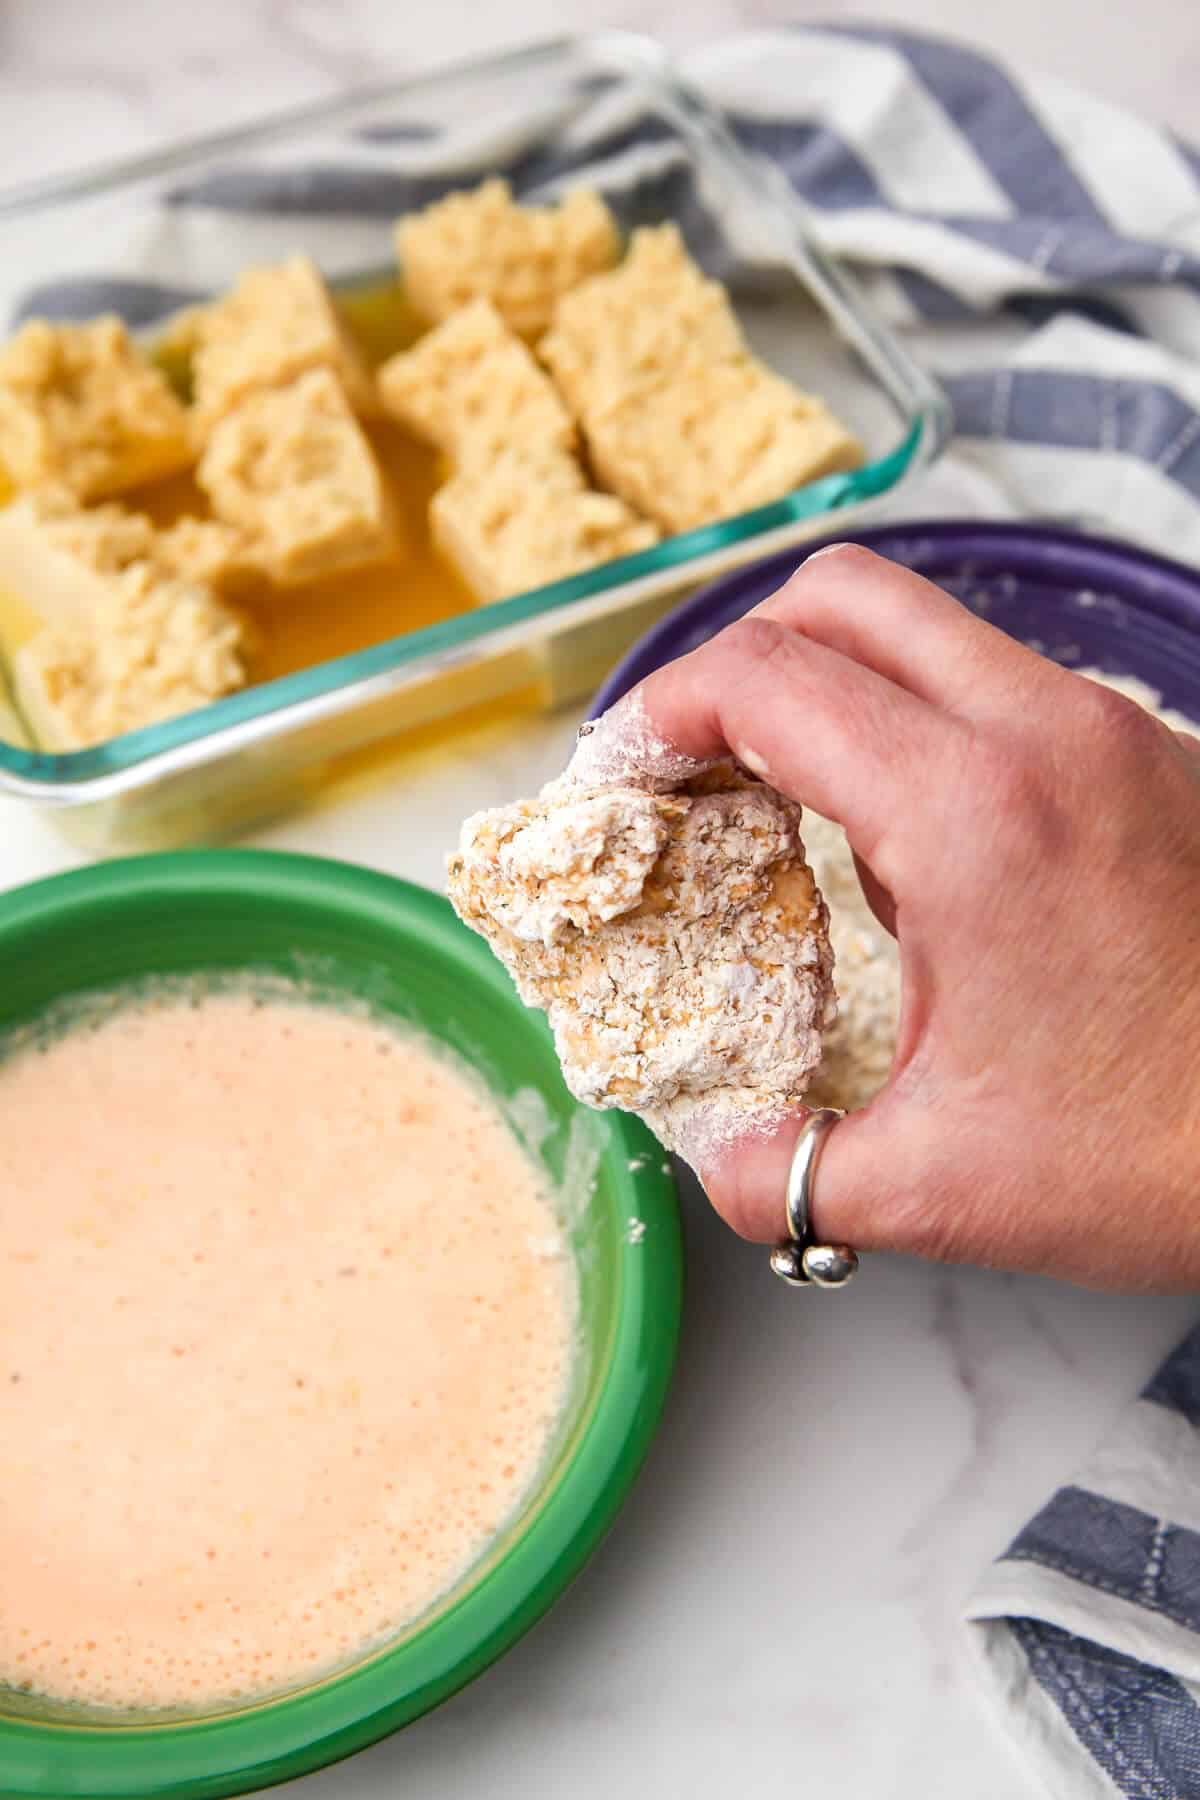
{"x": 1033, "y": 841}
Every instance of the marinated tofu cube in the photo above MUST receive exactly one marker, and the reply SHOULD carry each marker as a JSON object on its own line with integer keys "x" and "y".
{"x": 473, "y": 388}
{"x": 711, "y": 442}
{"x": 57, "y": 557}
{"x": 82, "y": 407}
{"x": 156, "y": 647}
{"x": 291, "y": 469}
{"x": 525, "y": 520}
{"x": 209, "y": 551}
{"x": 275, "y": 325}
{"x": 482, "y": 245}
{"x": 655, "y": 314}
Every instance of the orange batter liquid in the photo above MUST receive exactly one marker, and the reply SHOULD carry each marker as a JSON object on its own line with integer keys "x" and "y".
{"x": 259, "y": 1408}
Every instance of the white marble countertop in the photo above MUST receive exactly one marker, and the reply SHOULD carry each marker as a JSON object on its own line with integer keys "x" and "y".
{"x": 777, "y": 1610}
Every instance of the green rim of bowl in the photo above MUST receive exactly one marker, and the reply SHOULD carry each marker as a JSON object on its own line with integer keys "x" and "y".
{"x": 278, "y": 1740}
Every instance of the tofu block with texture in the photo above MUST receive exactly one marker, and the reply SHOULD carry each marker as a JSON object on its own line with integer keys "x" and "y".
{"x": 81, "y": 406}
{"x": 472, "y": 387}
{"x": 209, "y": 551}
{"x": 291, "y": 469}
{"x": 276, "y": 324}
{"x": 655, "y": 313}
{"x": 711, "y": 442}
{"x": 57, "y": 557}
{"x": 481, "y": 245}
{"x": 156, "y": 647}
{"x": 527, "y": 519}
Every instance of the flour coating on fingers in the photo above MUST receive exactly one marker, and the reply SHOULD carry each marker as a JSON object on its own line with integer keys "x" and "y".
{"x": 622, "y": 746}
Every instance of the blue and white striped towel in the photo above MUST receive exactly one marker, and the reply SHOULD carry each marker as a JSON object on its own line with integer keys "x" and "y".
{"x": 1041, "y": 250}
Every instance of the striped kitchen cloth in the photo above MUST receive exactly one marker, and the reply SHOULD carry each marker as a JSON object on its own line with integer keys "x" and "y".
{"x": 1041, "y": 250}
{"x": 1089, "y": 1624}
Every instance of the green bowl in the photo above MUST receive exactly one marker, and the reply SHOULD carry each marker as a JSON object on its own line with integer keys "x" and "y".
{"x": 402, "y": 950}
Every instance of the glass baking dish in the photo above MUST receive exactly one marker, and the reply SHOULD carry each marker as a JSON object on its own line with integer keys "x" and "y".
{"x": 147, "y": 235}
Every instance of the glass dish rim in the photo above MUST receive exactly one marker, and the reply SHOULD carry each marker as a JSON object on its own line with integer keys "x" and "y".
{"x": 280, "y": 1739}
{"x": 265, "y": 710}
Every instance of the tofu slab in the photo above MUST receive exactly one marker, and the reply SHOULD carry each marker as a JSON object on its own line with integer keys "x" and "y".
{"x": 82, "y": 407}
{"x": 473, "y": 388}
{"x": 276, "y": 324}
{"x": 156, "y": 647}
{"x": 708, "y": 443}
{"x": 655, "y": 314}
{"x": 291, "y": 469}
{"x": 482, "y": 245}
{"x": 525, "y": 520}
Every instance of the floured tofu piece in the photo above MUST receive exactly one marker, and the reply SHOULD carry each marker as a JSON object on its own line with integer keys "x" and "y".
{"x": 473, "y": 388}
{"x": 654, "y": 314}
{"x": 859, "y": 1049}
{"x": 276, "y": 324}
{"x": 675, "y": 939}
{"x": 291, "y": 469}
{"x": 154, "y": 648}
{"x": 526, "y": 519}
{"x": 82, "y": 407}
{"x": 481, "y": 245}
{"x": 714, "y": 441}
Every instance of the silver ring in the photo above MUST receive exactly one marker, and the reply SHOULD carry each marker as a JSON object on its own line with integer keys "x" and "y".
{"x": 797, "y": 1260}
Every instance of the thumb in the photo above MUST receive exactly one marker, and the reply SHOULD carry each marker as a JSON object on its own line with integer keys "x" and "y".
{"x": 866, "y": 1192}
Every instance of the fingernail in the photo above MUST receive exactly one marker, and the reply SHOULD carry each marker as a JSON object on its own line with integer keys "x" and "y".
{"x": 750, "y": 759}
{"x": 622, "y": 745}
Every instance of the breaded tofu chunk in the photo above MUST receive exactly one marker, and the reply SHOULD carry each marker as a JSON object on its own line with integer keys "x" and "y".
{"x": 526, "y": 519}
{"x": 81, "y": 406}
{"x": 655, "y": 313}
{"x": 291, "y": 469}
{"x": 154, "y": 648}
{"x": 710, "y": 442}
{"x": 674, "y": 937}
{"x": 472, "y": 387}
{"x": 275, "y": 325}
{"x": 481, "y": 245}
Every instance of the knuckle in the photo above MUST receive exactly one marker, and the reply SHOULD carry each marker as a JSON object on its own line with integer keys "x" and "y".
{"x": 833, "y": 561}
{"x": 1116, "y": 721}
{"x": 833, "y": 565}
{"x": 756, "y": 639}
{"x": 1018, "y": 789}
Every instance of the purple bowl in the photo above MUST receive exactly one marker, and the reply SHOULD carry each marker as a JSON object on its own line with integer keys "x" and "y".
{"x": 1087, "y": 602}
